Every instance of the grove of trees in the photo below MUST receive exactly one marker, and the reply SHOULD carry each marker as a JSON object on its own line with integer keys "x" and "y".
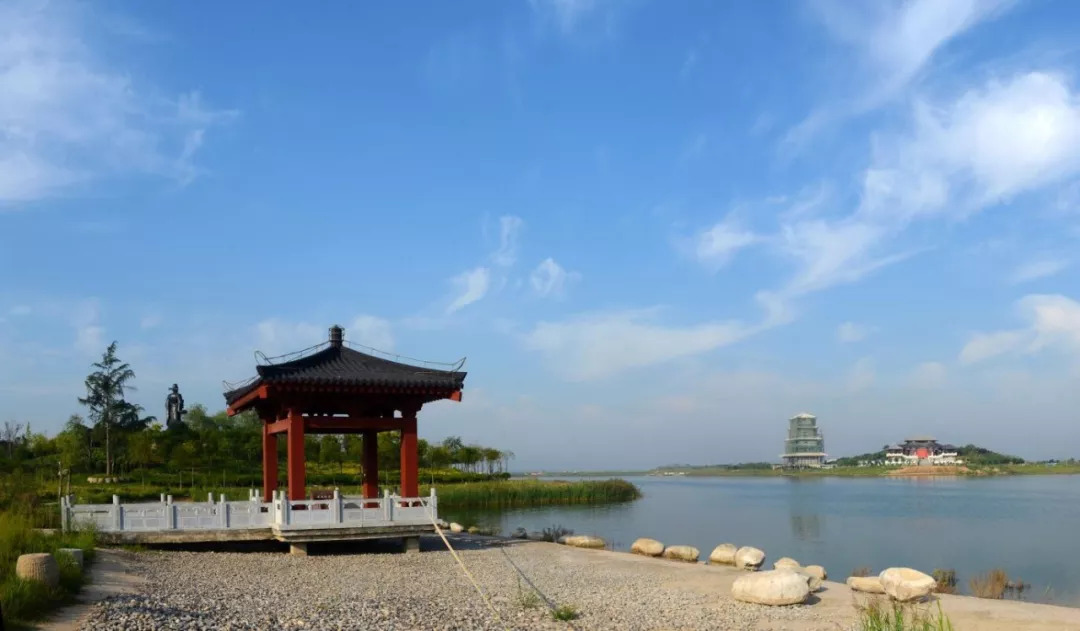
{"x": 115, "y": 437}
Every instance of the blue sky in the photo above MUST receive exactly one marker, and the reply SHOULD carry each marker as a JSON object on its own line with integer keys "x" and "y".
{"x": 656, "y": 229}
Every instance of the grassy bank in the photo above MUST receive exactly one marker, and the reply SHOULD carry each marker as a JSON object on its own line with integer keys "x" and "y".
{"x": 521, "y": 493}
{"x": 21, "y": 600}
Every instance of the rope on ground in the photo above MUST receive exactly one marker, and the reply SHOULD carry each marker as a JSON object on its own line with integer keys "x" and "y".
{"x": 468, "y": 574}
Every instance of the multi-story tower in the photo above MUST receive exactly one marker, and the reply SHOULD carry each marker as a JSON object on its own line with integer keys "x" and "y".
{"x": 805, "y": 445}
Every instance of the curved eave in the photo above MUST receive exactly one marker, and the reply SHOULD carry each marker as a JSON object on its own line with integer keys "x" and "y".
{"x": 258, "y": 391}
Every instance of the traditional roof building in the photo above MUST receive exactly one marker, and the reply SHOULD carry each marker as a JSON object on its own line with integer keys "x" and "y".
{"x": 805, "y": 444}
{"x": 334, "y": 389}
{"x": 921, "y": 450}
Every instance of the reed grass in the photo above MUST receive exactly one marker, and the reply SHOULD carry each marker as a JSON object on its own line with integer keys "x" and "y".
{"x": 992, "y": 584}
{"x": 26, "y": 600}
{"x": 946, "y": 581}
{"x": 517, "y": 493}
{"x": 886, "y": 615}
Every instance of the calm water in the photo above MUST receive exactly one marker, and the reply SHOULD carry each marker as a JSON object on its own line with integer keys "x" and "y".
{"x": 1027, "y": 525}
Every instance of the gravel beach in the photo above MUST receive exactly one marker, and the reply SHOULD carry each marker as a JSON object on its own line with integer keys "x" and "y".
{"x": 379, "y": 589}
{"x": 391, "y": 591}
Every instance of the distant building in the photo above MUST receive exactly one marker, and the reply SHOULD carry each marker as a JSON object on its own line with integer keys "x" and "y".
{"x": 921, "y": 450}
{"x": 805, "y": 445}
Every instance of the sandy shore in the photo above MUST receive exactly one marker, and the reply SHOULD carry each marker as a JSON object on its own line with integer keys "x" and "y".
{"x": 385, "y": 591}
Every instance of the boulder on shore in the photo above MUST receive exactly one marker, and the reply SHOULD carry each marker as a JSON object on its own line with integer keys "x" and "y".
{"x": 786, "y": 562}
{"x": 904, "y": 583}
{"x": 813, "y": 582}
{"x": 585, "y": 541}
{"x": 40, "y": 567}
{"x": 749, "y": 558}
{"x": 774, "y": 587}
{"x": 816, "y": 570}
{"x": 647, "y": 547}
{"x": 473, "y": 530}
{"x": 456, "y": 527}
{"x": 865, "y": 584}
{"x": 682, "y": 553}
{"x": 723, "y": 554}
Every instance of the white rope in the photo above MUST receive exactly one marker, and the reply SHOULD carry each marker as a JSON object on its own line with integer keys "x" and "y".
{"x": 468, "y": 574}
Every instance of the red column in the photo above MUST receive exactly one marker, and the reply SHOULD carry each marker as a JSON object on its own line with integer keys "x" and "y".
{"x": 269, "y": 463}
{"x": 409, "y": 465}
{"x": 296, "y": 455}
{"x": 371, "y": 464}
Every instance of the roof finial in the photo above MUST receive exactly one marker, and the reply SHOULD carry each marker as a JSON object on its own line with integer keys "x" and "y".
{"x": 337, "y": 336}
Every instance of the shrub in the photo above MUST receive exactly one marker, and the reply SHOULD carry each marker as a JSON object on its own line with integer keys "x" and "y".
{"x": 886, "y": 615}
{"x": 946, "y": 581}
{"x": 565, "y": 613}
{"x": 555, "y": 532}
{"x": 989, "y": 585}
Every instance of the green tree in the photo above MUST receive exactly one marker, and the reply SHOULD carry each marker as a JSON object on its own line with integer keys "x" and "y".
{"x": 330, "y": 450}
{"x": 105, "y": 396}
{"x": 73, "y": 443}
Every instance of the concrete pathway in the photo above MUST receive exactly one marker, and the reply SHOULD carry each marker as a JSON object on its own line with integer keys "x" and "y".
{"x": 109, "y": 576}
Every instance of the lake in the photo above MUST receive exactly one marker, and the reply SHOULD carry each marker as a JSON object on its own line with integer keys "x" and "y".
{"x": 1026, "y": 525}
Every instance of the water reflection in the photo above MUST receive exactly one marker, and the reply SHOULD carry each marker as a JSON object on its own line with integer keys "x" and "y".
{"x": 806, "y": 527}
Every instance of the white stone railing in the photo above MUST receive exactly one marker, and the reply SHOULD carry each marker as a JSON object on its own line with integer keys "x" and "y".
{"x": 281, "y": 513}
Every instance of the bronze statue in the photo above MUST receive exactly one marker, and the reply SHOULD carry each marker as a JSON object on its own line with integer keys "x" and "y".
{"x": 174, "y": 406}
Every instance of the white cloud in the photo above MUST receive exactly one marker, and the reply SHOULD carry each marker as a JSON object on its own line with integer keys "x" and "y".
{"x": 275, "y": 336}
{"x": 68, "y": 118}
{"x": 929, "y": 375}
{"x": 894, "y": 42}
{"x": 20, "y": 310}
{"x": 862, "y": 375}
{"x": 567, "y": 14}
{"x": 989, "y": 145}
{"x": 832, "y": 252}
{"x": 372, "y": 331}
{"x": 509, "y": 232}
{"x": 550, "y": 279}
{"x": 89, "y": 333}
{"x": 1039, "y": 268}
{"x": 716, "y": 246}
{"x": 593, "y": 346}
{"x": 469, "y": 287}
{"x": 1053, "y": 322}
{"x": 849, "y": 332}
{"x": 150, "y": 321}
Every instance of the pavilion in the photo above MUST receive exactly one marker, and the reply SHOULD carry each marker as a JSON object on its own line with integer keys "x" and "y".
{"x": 332, "y": 388}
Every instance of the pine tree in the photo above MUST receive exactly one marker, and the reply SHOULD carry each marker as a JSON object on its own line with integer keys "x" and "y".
{"x": 105, "y": 396}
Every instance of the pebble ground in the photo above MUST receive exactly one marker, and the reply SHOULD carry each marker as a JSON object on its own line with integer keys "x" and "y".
{"x": 428, "y": 591}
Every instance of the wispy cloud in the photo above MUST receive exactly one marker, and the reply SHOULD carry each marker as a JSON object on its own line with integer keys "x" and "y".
{"x": 89, "y": 332}
{"x": 929, "y": 375}
{"x": 1053, "y": 322}
{"x": 894, "y": 41}
{"x": 1039, "y": 268}
{"x": 596, "y": 345}
{"x": 68, "y": 118}
{"x": 510, "y": 228}
{"x": 550, "y": 279}
{"x": 849, "y": 332}
{"x": 862, "y": 375}
{"x": 568, "y": 15}
{"x": 469, "y": 287}
{"x": 714, "y": 247}
{"x": 276, "y": 335}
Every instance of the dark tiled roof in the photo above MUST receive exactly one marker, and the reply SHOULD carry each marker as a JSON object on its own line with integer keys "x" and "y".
{"x": 343, "y": 366}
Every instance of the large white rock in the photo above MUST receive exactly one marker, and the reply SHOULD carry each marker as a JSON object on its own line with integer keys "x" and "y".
{"x": 866, "y": 584}
{"x": 775, "y": 587}
{"x": 682, "y": 553}
{"x": 904, "y": 583}
{"x": 647, "y": 547}
{"x": 749, "y": 558}
{"x": 813, "y": 582}
{"x": 786, "y": 562}
{"x": 456, "y": 527}
{"x": 816, "y": 570}
{"x": 585, "y": 541}
{"x": 723, "y": 554}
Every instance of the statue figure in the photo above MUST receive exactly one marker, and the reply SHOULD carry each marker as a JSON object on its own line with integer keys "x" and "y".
{"x": 174, "y": 406}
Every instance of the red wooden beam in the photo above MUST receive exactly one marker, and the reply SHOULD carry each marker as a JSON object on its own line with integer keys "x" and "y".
{"x": 245, "y": 401}
{"x": 277, "y": 427}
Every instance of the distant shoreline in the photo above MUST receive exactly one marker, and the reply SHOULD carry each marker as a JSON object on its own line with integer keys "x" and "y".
{"x": 839, "y": 472}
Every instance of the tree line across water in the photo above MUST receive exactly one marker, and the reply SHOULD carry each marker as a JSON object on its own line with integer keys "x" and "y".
{"x": 117, "y": 437}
